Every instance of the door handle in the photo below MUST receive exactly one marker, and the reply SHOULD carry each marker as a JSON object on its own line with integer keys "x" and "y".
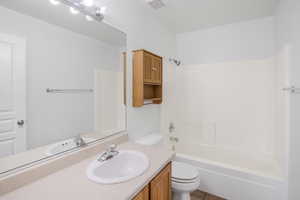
{"x": 21, "y": 123}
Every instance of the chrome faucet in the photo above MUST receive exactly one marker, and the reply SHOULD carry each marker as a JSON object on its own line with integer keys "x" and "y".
{"x": 79, "y": 141}
{"x": 171, "y": 127}
{"x": 109, "y": 153}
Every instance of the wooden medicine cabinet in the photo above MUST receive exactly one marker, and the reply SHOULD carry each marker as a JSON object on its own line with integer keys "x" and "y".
{"x": 147, "y": 78}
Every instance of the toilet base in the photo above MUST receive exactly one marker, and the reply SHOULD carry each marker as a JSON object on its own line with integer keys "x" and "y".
{"x": 181, "y": 195}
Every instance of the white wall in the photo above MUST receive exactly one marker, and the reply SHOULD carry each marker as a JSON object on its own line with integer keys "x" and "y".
{"x": 144, "y": 31}
{"x": 239, "y": 41}
{"x": 288, "y": 29}
{"x": 58, "y": 58}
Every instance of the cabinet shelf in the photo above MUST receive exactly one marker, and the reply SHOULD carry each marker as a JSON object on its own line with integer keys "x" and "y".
{"x": 152, "y": 83}
{"x": 154, "y": 99}
{"x": 147, "y": 78}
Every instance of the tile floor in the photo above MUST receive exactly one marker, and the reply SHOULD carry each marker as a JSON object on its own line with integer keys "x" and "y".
{"x": 198, "y": 195}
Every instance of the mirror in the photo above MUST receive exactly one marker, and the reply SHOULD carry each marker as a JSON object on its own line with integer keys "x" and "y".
{"x": 61, "y": 78}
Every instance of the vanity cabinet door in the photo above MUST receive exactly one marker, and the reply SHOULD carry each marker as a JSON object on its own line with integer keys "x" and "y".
{"x": 143, "y": 195}
{"x": 160, "y": 186}
{"x": 148, "y": 63}
{"x": 156, "y": 70}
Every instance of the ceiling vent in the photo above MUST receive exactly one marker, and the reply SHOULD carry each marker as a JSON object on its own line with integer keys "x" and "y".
{"x": 156, "y": 4}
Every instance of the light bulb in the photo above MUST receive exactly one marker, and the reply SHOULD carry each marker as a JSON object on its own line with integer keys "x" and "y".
{"x": 89, "y": 18}
{"x": 103, "y": 10}
{"x": 74, "y": 11}
{"x": 54, "y": 2}
{"x": 88, "y": 3}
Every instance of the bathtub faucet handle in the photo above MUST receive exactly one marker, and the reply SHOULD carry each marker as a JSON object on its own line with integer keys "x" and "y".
{"x": 174, "y": 139}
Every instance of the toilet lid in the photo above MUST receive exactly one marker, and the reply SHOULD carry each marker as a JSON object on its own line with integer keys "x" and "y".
{"x": 182, "y": 171}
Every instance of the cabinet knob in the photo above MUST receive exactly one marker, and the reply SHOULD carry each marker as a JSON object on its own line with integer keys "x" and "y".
{"x": 154, "y": 69}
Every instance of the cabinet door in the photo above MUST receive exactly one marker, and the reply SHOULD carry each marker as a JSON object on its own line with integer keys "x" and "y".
{"x": 156, "y": 70}
{"x": 147, "y": 68}
{"x": 160, "y": 186}
{"x": 143, "y": 195}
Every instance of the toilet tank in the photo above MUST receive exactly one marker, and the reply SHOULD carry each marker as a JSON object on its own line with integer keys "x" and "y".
{"x": 149, "y": 140}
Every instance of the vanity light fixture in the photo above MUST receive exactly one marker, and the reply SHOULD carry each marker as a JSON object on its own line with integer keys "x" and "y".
{"x": 54, "y": 2}
{"x": 74, "y": 11}
{"x": 85, "y": 7}
{"x": 89, "y": 18}
{"x": 88, "y": 3}
{"x": 103, "y": 10}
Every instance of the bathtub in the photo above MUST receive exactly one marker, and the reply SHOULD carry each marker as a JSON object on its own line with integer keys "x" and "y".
{"x": 236, "y": 176}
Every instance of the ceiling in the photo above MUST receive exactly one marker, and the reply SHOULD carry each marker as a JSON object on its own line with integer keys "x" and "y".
{"x": 178, "y": 15}
{"x": 60, "y": 15}
{"x": 190, "y": 15}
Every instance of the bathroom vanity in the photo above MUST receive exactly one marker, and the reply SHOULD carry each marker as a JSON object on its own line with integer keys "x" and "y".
{"x": 66, "y": 177}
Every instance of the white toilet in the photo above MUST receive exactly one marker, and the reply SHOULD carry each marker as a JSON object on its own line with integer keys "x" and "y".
{"x": 185, "y": 178}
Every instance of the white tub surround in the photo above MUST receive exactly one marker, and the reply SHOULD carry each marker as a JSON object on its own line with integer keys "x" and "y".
{"x": 72, "y": 183}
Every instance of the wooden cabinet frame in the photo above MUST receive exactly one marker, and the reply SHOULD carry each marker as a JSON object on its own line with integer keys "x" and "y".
{"x": 143, "y": 195}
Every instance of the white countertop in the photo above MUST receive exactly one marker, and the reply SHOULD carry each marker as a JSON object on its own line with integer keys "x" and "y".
{"x": 72, "y": 183}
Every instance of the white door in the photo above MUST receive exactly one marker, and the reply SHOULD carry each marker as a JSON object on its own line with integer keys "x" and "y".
{"x": 12, "y": 95}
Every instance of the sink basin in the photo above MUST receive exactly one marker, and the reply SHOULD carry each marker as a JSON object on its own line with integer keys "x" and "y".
{"x": 123, "y": 167}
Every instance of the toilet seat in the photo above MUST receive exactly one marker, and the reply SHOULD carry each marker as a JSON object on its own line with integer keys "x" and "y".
{"x": 184, "y": 173}
{"x": 184, "y": 181}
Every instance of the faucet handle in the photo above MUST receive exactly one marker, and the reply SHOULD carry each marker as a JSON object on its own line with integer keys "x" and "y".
{"x": 174, "y": 139}
{"x": 112, "y": 147}
{"x": 79, "y": 141}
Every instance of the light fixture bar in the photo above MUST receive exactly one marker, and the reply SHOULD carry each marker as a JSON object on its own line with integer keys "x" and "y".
{"x": 92, "y": 12}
